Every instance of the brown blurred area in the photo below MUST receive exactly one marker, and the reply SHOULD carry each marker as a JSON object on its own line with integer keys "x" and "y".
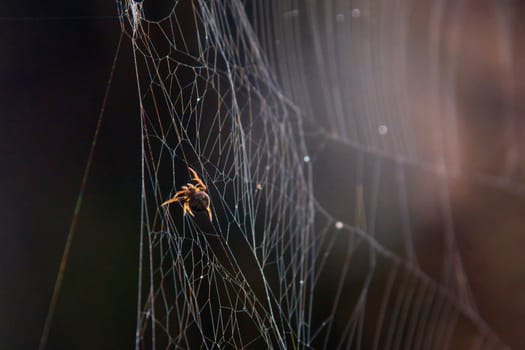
{"x": 447, "y": 79}
{"x": 482, "y": 65}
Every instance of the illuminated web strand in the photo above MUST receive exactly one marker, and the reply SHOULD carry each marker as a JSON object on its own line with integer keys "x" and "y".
{"x": 224, "y": 88}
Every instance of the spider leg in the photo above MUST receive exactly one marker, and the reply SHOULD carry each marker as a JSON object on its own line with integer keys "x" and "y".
{"x": 200, "y": 185}
{"x": 209, "y": 213}
{"x": 194, "y": 173}
{"x": 169, "y": 201}
{"x": 181, "y": 193}
{"x": 176, "y": 198}
{"x": 186, "y": 209}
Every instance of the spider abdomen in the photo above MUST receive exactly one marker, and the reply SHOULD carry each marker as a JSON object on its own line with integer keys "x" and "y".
{"x": 199, "y": 201}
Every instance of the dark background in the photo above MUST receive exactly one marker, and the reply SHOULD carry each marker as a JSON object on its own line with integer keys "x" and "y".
{"x": 54, "y": 65}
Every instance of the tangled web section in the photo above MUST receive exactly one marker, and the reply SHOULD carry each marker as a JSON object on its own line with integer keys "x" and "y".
{"x": 314, "y": 241}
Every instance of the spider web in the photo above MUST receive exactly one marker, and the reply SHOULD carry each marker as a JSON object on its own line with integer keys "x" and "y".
{"x": 293, "y": 117}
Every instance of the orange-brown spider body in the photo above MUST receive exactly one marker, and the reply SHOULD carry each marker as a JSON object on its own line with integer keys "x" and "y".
{"x": 193, "y": 197}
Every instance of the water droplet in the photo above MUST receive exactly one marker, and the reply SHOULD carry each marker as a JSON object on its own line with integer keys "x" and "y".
{"x": 301, "y": 281}
{"x": 291, "y": 13}
{"x": 306, "y": 159}
{"x": 338, "y": 225}
{"x": 382, "y": 129}
{"x": 202, "y": 276}
{"x": 340, "y": 17}
{"x": 356, "y": 13}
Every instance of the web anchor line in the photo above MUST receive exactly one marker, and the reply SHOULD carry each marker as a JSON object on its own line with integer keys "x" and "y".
{"x": 74, "y": 221}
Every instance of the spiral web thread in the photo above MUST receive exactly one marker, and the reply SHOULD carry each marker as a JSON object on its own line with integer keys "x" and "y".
{"x": 253, "y": 97}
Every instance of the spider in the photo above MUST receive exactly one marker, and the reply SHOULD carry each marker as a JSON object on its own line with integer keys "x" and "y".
{"x": 193, "y": 197}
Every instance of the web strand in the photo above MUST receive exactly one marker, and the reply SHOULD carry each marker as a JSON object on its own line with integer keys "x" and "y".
{"x": 72, "y": 228}
{"x": 293, "y": 117}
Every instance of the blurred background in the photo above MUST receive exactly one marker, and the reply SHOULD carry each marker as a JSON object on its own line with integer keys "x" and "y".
{"x": 55, "y": 65}
{"x": 55, "y": 62}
